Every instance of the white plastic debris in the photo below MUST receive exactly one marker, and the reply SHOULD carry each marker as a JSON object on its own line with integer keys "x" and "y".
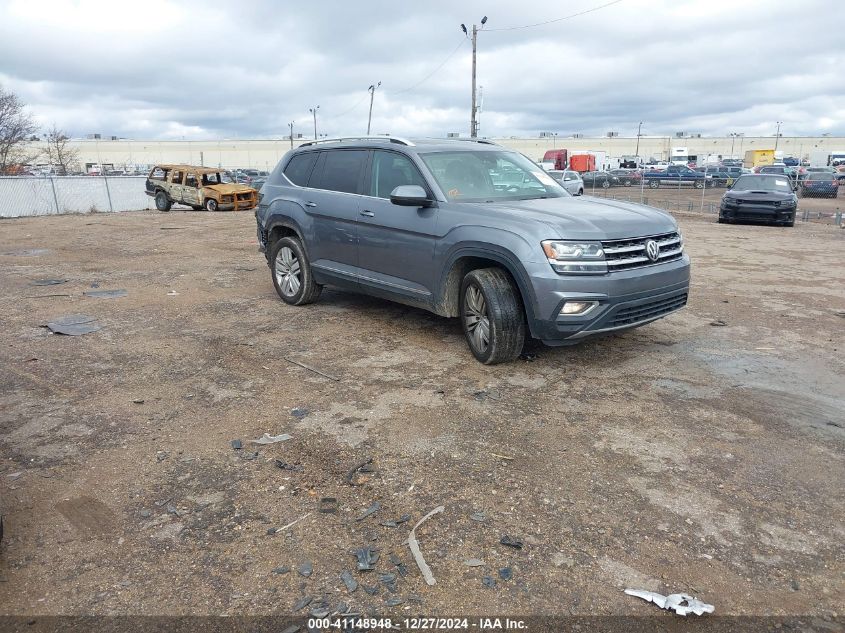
{"x": 415, "y": 547}
{"x": 680, "y": 603}
{"x": 271, "y": 439}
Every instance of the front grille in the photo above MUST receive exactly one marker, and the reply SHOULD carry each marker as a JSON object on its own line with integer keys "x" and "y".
{"x": 631, "y": 253}
{"x": 759, "y": 203}
{"x": 646, "y": 311}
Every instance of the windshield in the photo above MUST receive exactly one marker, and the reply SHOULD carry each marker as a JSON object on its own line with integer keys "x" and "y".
{"x": 762, "y": 183}
{"x": 487, "y": 176}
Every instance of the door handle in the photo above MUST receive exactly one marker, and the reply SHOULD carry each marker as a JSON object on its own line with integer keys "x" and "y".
{"x": 368, "y": 214}
{"x": 310, "y": 204}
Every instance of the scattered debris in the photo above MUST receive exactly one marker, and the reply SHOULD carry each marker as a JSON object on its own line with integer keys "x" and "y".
{"x": 396, "y": 522}
{"x": 528, "y": 358}
{"x": 320, "y": 610}
{"x": 400, "y": 566}
{"x": 478, "y": 516}
{"x": 328, "y": 505}
{"x": 388, "y": 579}
{"x": 370, "y": 511}
{"x": 292, "y": 523}
{"x": 841, "y": 313}
{"x": 367, "y": 558}
{"x": 474, "y": 562}
{"x": 393, "y": 602}
{"x": 293, "y": 628}
{"x": 48, "y": 282}
{"x": 105, "y": 294}
{"x": 172, "y": 228}
{"x": 145, "y": 514}
{"x": 138, "y": 401}
{"x": 415, "y": 547}
{"x": 680, "y": 603}
{"x": 505, "y": 457}
{"x": 511, "y": 542}
{"x": 316, "y": 371}
{"x": 305, "y": 569}
{"x": 370, "y": 590}
{"x": 237, "y": 445}
{"x": 30, "y": 252}
{"x": 299, "y": 412}
{"x": 172, "y": 293}
{"x": 303, "y": 602}
{"x": 161, "y": 456}
{"x": 280, "y": 571}
{"x": 718, "y": 323}
{"x": 349, "y": 581}
{"x": 562, "y": 560}
{"x": 297, "y": 468}
{"x": 505, "y": 573}
{"x": 488, "y": 581}
{"x": 249, "y": 455}
{"x": 245, "y": 268}
{"x": 14, "y": 476}
{"x": 74, "y": 325}
{"x": 350, "y": 476}
{"x": 47, "y": 296}
{"x": 271, "y": 439}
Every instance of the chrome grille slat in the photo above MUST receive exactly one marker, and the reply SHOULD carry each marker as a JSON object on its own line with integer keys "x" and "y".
{"x": 626, "y": 254}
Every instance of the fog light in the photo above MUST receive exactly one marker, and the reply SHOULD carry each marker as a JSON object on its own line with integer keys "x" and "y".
{"x": 572, "y": 308}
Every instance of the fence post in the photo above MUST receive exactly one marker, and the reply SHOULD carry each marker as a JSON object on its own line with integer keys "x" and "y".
{"x": 108, "y": 193}
{"x": 55, "y": 197}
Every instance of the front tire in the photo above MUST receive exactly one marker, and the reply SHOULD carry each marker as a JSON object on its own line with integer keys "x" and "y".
{"x": 291, "y": 271}
{"x": 698, "y": 184}
{"x": 211, "y": 205}
{"x": 492, "y": 316}
{"x": 163, "y": 203}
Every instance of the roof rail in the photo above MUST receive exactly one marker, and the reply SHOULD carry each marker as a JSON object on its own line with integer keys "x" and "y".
{"x": 340, "y": 139}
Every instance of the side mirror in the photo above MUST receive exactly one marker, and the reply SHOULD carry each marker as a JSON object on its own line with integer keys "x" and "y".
{"x": 410, "y": 196}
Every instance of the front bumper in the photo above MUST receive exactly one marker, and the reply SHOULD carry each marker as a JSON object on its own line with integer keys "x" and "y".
{"x": 626, "y": 299}
{"x": 757, "y": 213}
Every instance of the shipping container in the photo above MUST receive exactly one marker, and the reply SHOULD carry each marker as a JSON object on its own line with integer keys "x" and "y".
{"x": 582, "y": 163}
{"x": 758, "y": 158}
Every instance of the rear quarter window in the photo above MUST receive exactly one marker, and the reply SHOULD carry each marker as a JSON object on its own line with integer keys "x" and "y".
{"x": 299, "y": 168}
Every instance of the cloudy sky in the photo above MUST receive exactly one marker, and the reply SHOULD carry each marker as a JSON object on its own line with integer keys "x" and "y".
{"x": 206, "y": 69}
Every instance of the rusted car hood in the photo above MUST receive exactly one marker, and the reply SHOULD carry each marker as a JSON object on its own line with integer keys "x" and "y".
{"x": 229, "y": 188}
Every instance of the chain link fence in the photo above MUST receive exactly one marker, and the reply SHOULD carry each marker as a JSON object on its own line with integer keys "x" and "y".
{"x": 31, "y": 196}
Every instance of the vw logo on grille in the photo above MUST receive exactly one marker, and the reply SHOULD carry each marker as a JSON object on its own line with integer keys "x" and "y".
{"x": 652, "y": 249}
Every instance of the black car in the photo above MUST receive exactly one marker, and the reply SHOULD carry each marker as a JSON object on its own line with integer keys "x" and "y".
{"x": 603, "y": 179}
{"x": 628, "y": 177}
{"x": 760, "y": 198}
{"x": 716, "y": 176}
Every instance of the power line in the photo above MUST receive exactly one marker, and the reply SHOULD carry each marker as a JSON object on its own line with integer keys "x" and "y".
{"x": 567, "y": 17}
{"x": 431, "y": 74}
{"x": 335, "y": 116}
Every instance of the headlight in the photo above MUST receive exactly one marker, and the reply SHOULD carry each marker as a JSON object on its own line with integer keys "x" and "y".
{"x": 575, "y": 258}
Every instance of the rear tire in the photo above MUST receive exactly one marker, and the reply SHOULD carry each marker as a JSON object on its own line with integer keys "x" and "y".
{"x": 653, "y": 184}
{"x": 698, "y": 184}
{"x": 163, "y": 203}
{"x": 605, "y": 184}
{"x": 492, "y": 316}
{"x": 580, "y": 192}
{"x": 291, "y": 272}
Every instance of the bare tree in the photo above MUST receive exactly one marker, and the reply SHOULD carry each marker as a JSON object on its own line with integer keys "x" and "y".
{"x": 59, "y": 154}
{"x": 16, "y": 127}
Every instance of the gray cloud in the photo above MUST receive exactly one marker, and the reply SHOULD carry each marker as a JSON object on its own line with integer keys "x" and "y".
{"x": 200, "y": 69}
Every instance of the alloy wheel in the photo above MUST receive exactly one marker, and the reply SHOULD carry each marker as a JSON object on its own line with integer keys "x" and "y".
{"x": 476, "y": 319}
{"x": 288, "y": 272}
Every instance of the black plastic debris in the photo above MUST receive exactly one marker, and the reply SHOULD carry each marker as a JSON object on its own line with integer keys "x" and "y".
{"x": 718, "y": 323}
{"x": 299, "y": 412}
{"x": 105, "y": 294}
{"x": 488, "y": 581}
{"x": 320, "y": 611}
{"x": 305, "y": 569}
{"x": 303, "y": 602}
{"x": 271, "y": 531}
{"x": 138, "y": 401}
{"x": 511, "y": 542}
{"x": 505, "y": 573}
{"x": 350, "y": 475}
{"x": 237, "y": 445}
{"x": 370, "y": 511}
{"x": 396, "y": 522}
{"x": 370, "y": 590}
{"x": 415, "y": 597}
{"x": 393, "y": 602}
{"x": 280, "y": 571}
{"x": 349, "y": 581}
{"x": 74, "y": 325}
{"x": 367, "y": 558}
{"x": 48, "y": 282}
{"x": 388, "y": 579}
{"x": 328, "y": 505}
{"x": 296, "y": 468}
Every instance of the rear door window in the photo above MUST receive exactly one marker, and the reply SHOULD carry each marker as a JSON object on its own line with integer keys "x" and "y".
{"x": 343, "y": 171}
{"x": 299, "y": 168}
{"x": 176, "y": 177}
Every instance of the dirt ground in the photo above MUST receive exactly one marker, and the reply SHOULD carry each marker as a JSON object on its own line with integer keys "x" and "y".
{"x": 681, "y": 456}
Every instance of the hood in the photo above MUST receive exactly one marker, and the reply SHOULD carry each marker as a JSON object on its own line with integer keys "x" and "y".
{"x": 751, "y": 194}
{"x": 229, "y": 188}
{"x": 587, "y": 218}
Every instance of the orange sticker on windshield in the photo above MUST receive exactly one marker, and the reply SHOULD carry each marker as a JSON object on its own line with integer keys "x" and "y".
{"x": 454, "y": 193}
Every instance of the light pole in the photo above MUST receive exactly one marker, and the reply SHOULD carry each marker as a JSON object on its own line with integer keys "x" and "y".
{"x": 554, "y": 140}
{"x": 733, "y": 140}
{"x": 639, "y": 129}
{"x": 314, "y": 112}
{"x": 372, "y": 90}
{"x": 473, "y": 124}
{"x": 777, "y": 135}
{"x": 290, "y": 125}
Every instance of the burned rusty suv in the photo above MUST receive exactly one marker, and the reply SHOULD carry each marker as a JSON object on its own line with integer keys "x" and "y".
{"x": 199, "y": 188}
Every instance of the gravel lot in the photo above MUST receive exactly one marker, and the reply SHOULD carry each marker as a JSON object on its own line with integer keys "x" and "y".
{"x": 682, "y": 456}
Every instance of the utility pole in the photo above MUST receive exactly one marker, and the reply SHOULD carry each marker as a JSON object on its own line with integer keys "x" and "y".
{"x": 777, "y": 135}
{"x": 372, "y": 90}
{"x": 290, "y": 125}
{"x": 314, "y": 112}
{"x": 473, "y": 124}
{"x": 639, "y": 129}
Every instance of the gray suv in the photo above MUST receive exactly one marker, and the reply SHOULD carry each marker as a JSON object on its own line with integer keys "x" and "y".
{"x": 467, "y": 229}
